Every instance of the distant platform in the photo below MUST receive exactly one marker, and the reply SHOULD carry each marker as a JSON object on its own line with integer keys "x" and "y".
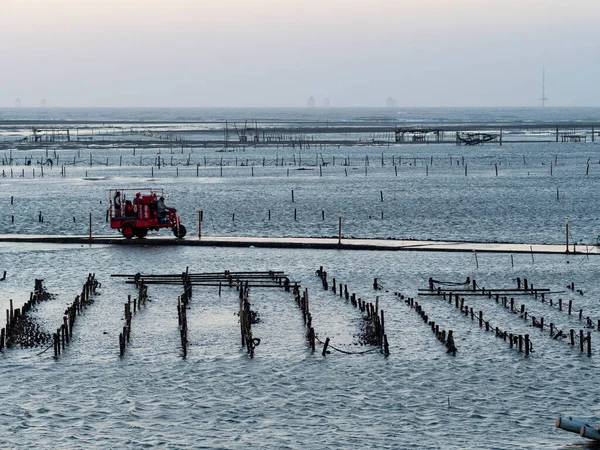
{"x": 309, "y": 243}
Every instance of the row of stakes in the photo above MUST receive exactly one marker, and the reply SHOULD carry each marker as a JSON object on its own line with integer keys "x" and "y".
{"x": 160, "y": 161}
{"x": 320, "y": 162}
{"x": 247, "y": 316}
{"x": 246, "y": 319}
{"x": 375, "y": 318}
{"x": 182, "y": 304}
{"x": 242, "y": 162}
{"x": 14, "y": 317}
{"x": 302, "y": 302}
{"x": 138, "y": 301}
{"x": 516, "y": 340}
{"x": 555, "y": 333}
{"x": 569, "y": 308}
{"x": 63, "y": 172}
{"x": 64, "y": 333}
{"x": 523, "y": 286}
{"x": 440, "y": 334}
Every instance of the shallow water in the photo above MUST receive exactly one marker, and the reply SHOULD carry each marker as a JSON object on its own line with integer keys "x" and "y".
{"x": 487, "y": 396}
{"x": 420, "y": 192}
{"x": 286, "y": 396}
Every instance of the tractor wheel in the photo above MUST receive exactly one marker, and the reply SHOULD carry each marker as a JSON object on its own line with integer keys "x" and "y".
{"x": 128, "y": 230}
{"x": 141, "y": 232}
{"x": 179, "y": 232}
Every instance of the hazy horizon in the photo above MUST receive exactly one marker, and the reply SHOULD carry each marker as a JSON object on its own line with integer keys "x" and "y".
{"x": 279, "y": 53}
{"x": 399, "y": 108}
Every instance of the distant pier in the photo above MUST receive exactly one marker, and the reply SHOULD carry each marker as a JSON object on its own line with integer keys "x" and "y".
{"x": 29, "y": 134}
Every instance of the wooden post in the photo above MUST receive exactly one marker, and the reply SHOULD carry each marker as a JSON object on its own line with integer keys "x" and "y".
{"x": 66, "y": 327}
{"x": 570, "y": 306}
{"x": 589, "y": 343}
{"x": 179, "y": 311}
{"x": 121, "y": 344}
{"x": 199, "y": 223}
{"x": 567, "y": 236}
{"x": 581, "y": 341}
{"x": 520, "y": 343}
{"x": 339, "y": 228}
{"x": 526, "y": 345}
{"x": 90, "y": 236}
{"x": 325, "y": 347}
{"x": 572, "y": 336}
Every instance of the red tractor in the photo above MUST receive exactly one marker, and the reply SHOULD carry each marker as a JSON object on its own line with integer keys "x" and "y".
{"x": 136, "y": 211}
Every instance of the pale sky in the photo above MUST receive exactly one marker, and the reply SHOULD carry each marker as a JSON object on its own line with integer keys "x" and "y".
{"x": 281, "y": 52}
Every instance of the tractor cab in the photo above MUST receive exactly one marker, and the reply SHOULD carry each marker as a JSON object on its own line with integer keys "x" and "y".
{"x": 134, "y": 212}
